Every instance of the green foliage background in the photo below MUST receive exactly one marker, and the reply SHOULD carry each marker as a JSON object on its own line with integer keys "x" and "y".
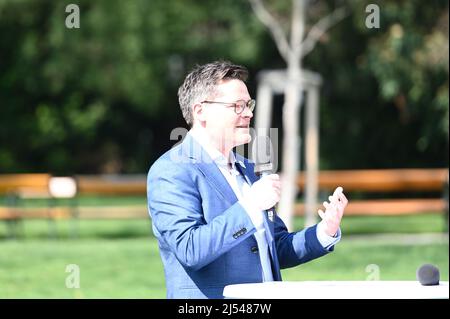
{"x": 102, "y": 98}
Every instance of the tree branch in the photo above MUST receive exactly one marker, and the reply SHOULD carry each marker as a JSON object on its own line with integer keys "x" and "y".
{"x": 274, "y": 27}
{"x": 321, "y": 27}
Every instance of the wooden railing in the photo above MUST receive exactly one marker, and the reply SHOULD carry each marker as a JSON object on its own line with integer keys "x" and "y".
{"x": 386, "y": 180}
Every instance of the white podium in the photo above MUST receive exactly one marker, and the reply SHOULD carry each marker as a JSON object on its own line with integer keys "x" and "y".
{"x": 337, "y": 290}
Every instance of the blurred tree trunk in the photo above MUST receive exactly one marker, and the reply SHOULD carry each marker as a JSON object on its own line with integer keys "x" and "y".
{"x": 291, "y": 110}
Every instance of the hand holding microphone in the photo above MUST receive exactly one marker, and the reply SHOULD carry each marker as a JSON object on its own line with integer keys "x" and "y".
{"x": 266, "y": 192}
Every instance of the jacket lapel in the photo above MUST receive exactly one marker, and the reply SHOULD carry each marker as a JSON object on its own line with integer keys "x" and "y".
{"x": 209, "y": 169}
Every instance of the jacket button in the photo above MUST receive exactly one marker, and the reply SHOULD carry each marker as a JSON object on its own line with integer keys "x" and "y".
{"x": 254, "y": 249}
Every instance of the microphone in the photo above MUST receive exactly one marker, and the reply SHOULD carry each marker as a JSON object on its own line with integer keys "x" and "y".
{"x": 428, "y": 275}
{"x": 262, "y": 155}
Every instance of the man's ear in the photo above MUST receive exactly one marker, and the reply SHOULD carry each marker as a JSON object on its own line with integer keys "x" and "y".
{"x": 198, "y": 112}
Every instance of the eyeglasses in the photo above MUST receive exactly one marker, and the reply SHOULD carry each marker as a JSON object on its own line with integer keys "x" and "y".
{"x": 239, "y": 106}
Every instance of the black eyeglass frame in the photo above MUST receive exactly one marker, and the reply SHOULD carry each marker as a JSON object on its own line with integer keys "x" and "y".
{"x": 250, "y": 104}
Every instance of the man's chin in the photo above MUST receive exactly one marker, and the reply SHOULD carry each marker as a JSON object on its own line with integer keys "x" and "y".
{"x": 243, "y": 138}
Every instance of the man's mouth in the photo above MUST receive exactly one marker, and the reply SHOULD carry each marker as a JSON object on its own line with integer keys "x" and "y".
{"x": 242, "y": 126}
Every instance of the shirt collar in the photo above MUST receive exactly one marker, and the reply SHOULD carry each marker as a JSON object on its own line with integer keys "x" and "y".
{"x": 201, "y": 136}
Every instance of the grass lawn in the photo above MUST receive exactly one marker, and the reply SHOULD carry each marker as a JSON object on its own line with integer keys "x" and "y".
{"x": 131, "y": 228}
{"x": 363, "y": 260}
{"x": 120, "y": 259}
{"x": 122, "y": 268}
{"x": 131, "y": 268}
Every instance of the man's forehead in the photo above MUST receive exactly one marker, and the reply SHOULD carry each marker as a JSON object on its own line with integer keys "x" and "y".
{"x": 231, "y": 86}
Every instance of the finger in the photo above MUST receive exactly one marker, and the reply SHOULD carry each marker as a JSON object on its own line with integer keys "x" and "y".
{"x": 340, "y": 209}
{"x": 335, "y": 198}
{"x": 274, "y": 177}
{"x": 337, "y": 191}
{"x": 344, "y": 199}
{"x": 268, "y": 178}
{"x": 277, "y": 191}
{"x": 341, "y": 206}
{"x": 276, "y": 184}
{"x": 321, "y": 214}
{"x": 276, "y": 198}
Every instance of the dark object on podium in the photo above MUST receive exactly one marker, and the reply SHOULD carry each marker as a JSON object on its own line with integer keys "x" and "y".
{"x": 428, "y": 275}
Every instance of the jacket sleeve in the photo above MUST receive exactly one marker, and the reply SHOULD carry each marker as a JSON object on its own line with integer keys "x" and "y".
{"x": 298, "y": 247}
{"x": 175, "y": 207}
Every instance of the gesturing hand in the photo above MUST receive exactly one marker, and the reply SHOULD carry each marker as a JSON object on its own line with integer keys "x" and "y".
{"x": 334, "y": 210}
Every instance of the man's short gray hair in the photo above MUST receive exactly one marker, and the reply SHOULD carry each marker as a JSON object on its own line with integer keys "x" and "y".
{"x": 201, "y": 83}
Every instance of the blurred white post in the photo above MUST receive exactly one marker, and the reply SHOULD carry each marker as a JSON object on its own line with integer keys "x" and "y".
{"x": 64, "y": 187}
{"x": 312, "y": 156}
{"x": 264, "y": 107}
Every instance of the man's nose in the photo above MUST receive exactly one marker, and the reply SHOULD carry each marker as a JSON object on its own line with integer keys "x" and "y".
{"x": 247, "y": 112}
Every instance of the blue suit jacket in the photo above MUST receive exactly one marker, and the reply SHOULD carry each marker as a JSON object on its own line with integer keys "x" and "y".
{"x": 204, "y": 234}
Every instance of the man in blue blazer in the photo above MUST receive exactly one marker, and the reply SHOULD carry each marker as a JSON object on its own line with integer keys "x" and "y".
{"x": 209, "y": 209}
